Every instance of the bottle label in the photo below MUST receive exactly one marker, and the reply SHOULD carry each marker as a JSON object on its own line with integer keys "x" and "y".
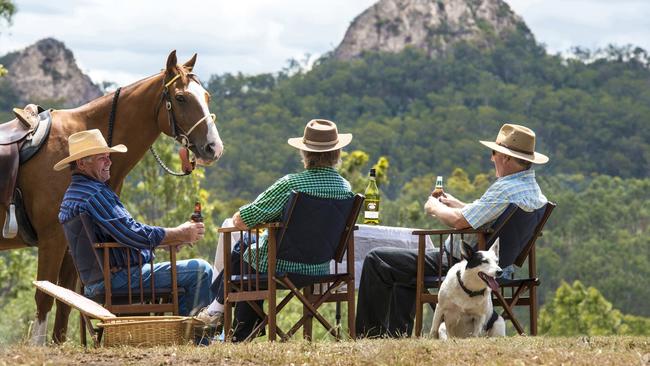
{"x": 371, "y": 214}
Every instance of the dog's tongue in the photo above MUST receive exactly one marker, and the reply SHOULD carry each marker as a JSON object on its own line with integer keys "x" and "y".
{"x": 491, "y": 282}
{"x": 186, "y": 164}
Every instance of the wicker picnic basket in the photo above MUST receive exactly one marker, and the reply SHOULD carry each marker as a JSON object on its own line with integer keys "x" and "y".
{"x": 147, "y": 330}
{"x": 133, "y": 330}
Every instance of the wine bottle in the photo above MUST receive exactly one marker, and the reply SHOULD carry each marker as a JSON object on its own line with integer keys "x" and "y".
{"x": 371, "y": 203}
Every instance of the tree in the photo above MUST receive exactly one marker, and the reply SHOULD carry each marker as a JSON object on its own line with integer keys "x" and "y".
{"x": 7, "y": 11}
{"x": 579, "y": 310}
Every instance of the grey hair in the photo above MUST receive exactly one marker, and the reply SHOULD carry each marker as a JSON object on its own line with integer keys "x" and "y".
{"x": 313, "y": 159}
{"x": 73, "y": 164}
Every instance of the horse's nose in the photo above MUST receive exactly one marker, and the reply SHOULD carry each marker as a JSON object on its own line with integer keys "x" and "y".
{"x": 211, "y": 150}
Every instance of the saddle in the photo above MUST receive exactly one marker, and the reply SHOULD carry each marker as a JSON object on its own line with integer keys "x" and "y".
{"x": 20, "y": 139}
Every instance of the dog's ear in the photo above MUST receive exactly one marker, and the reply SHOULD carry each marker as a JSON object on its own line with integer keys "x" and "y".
{"x": 495, "y": 248}
{"x": 466, "y": 251}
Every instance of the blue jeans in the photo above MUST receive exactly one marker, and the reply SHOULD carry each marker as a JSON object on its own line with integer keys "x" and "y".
{"x": 193, "y": 275}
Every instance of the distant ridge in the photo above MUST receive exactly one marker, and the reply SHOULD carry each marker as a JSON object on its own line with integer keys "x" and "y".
{"x": 47, "y": 72}
{"x": 430, "y": 25}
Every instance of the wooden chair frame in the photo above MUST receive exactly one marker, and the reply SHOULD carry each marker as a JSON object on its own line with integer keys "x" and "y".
{"x": 250, "y": 286}
{"x": 518, "y": 287}
{"x": 140, "y": 301}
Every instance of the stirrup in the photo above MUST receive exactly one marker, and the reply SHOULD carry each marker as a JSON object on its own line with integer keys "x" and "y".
{"x": 10, "y": 228}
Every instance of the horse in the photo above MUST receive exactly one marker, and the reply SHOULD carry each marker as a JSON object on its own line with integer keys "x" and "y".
{"x": 172, "y": 102}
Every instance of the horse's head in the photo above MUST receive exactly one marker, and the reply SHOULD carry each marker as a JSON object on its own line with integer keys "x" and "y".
{"x": 187, "y": 117}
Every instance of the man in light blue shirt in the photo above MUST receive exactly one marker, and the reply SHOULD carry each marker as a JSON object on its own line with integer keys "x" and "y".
{"x": 386, "y": 299}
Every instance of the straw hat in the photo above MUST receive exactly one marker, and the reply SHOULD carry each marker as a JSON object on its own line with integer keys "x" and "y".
{"x": 517, "y": 141}
{"x": 320, "y": 135}
{"x": 86, "y": 143}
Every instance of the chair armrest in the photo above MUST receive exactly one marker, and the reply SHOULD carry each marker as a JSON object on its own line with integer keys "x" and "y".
{"x": 107, "y": 245}
{"x": 256, "y": 227}
{"x": 170, "y": 245}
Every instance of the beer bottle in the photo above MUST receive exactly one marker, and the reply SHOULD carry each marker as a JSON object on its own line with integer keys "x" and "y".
{"x": 371, "y": 212}
{"x": 196, "y": 216}
{"x": 437, "y": 191}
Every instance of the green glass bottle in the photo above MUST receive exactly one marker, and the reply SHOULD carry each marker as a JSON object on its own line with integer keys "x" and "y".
{"x": 371, "y": 212}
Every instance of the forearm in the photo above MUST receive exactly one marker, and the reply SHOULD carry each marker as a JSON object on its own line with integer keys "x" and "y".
{"x": 452, "y": 217}
{"x": 172, "y": 235}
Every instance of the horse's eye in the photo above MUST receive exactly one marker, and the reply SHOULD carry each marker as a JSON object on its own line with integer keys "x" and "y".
{"x": 180, "y": 98}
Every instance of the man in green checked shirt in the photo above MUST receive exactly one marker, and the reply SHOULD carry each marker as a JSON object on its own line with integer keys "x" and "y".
{"x": 320, "y": 148}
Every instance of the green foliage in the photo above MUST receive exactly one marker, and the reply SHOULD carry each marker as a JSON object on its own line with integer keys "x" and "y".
{"x": 7, "y": 10}
{"x": 17, "y": 270}
{"x": 599, "y": 234}
{"x": 578, "y": 310}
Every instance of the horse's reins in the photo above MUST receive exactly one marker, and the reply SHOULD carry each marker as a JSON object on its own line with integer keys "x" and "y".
{"x": 182, "y": 138}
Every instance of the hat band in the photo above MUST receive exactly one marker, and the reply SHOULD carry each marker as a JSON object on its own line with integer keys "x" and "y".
{"x": 320, "y": 143}
{"x": 515, "y": 149}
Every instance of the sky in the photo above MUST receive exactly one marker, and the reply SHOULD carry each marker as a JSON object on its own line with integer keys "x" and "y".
{"x": 125, "y": 40}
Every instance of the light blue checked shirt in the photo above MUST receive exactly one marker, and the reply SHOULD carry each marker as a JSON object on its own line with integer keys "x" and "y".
{"x": 519, "y": 188}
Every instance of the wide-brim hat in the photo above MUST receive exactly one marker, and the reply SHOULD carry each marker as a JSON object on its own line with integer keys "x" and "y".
{"x": 86, "y": 143}
{"x": 320, "y": 135}
{"x": 517, "y": 141}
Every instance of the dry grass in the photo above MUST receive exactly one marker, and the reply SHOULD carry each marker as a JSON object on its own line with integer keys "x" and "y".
{"x": 507, "y": 351}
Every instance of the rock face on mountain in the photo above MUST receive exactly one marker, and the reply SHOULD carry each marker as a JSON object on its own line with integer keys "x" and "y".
{"x": 431, "y": 25}
{"x": 46, "y": 72}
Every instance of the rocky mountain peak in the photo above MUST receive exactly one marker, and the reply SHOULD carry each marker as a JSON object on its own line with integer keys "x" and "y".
{"x": 431, "y": 25}
{"x": 46, "y": 72}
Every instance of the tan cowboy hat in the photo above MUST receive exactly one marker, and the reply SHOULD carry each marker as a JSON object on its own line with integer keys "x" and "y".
{"x": 86, "y": 143}
{"x": 517, "y": 141}
{"x": 320, "y": 135}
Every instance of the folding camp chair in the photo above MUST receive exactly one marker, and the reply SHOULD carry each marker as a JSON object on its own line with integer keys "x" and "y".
{"x": 313, "y": 231}
{"x": 517, "y": 231}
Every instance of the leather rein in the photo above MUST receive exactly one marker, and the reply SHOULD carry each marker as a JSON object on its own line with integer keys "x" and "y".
{"x": 179, "y": 134}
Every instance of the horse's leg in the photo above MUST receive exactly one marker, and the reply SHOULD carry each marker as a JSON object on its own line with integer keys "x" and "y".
{"x": 67, "y": 279}
{"x": 50, "y": 257}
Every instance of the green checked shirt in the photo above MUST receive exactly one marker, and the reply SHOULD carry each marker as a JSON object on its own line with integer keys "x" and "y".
{"x": 268, "y": 206}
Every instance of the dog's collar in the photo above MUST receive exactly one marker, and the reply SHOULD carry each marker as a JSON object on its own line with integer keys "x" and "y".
{"x": 469, "y": 292}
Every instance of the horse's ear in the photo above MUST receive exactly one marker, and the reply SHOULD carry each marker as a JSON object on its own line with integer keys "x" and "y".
{"x": 189, "y": 65}
{"x": 171, "y": 63}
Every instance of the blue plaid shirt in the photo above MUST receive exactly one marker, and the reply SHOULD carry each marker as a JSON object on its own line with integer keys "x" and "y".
{"x": 519, "y": 188}
{"x": 112, "y": 221}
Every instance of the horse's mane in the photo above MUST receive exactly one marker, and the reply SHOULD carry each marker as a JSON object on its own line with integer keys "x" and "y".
{"x": 182, "y": 71}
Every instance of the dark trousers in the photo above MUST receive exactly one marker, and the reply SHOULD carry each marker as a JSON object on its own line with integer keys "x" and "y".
{"x": 386, "y": 302}
{"x": 245, "y": 317}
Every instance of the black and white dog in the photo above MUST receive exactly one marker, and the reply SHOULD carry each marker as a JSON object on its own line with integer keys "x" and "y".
{"x": 465, "y": 298}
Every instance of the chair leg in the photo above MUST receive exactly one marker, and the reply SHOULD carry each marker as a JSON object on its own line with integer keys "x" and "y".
{"x": 227, "y": 321}
{"x": 533, "y": 310}
{"x": 351, "y": 310}
{"x": 508, "y": 309}
{"x": 82, "y": 331}
{"x": 307, "y": 326}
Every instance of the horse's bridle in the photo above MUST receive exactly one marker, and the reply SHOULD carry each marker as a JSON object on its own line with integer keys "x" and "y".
{"x": 179, "y": 134}
{"x": 182, "y": 137}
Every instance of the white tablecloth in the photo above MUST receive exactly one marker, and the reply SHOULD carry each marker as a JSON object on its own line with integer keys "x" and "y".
{"x": 366, "y": 238}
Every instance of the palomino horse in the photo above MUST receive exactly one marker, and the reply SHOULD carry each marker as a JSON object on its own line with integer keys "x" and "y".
{"x": 172, "y": 102}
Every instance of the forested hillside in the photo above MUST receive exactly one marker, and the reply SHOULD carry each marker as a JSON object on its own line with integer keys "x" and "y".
{"x": 591, "y": 113}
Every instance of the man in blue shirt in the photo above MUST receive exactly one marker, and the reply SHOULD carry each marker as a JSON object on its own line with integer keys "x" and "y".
{"x": 90, "y": 163}
{"x": 386, "y": 302}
